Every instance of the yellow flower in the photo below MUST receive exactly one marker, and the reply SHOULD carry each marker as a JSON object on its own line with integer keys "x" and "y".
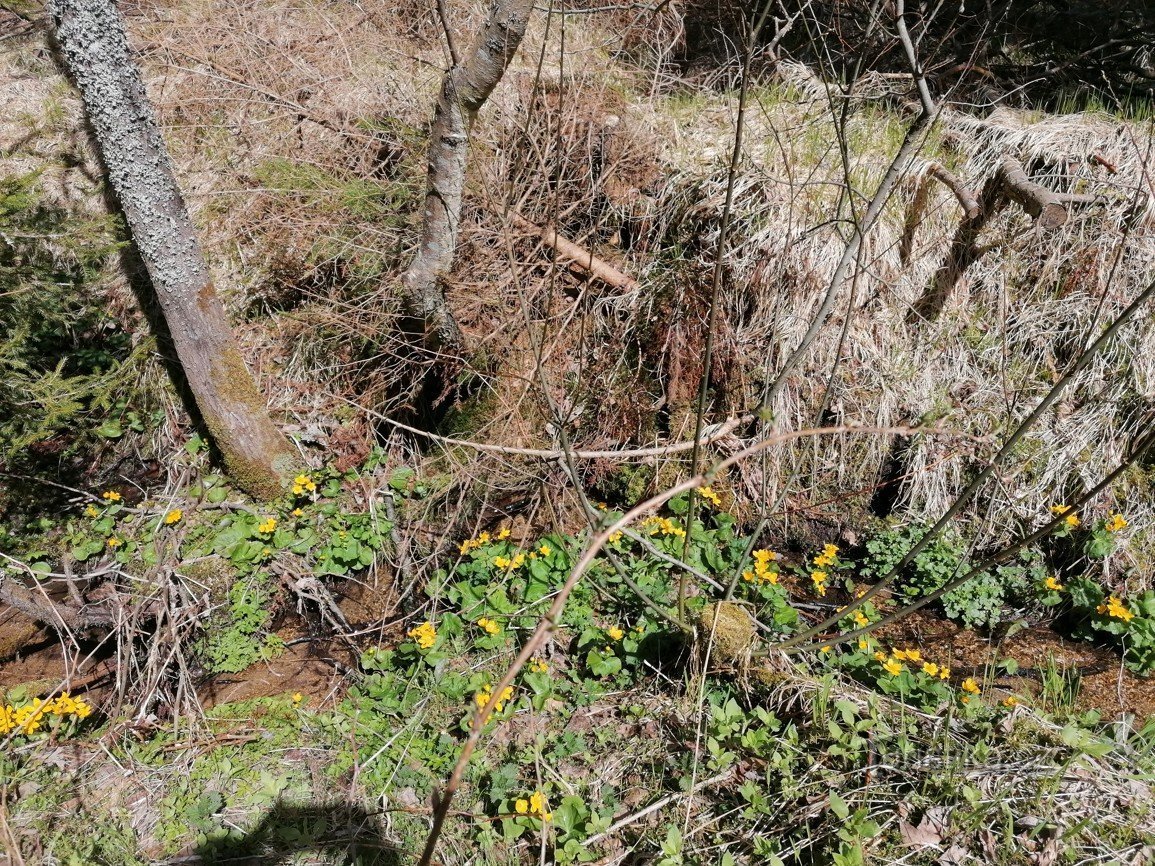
{"x": 517, "y": 561}
{"x": 860, "y": 619}
{"x": 545, "y": 550}
{"x": 538, "y": 666}
{"x": 710, "y": 496}
{"x": 914, "y": 655}
{"x": 1072, "y": 518}
{"x": 969, "y": 685}
{"x": 825, "y": 649}
{"x": 1114, "y": 607}
{"x": 930, "y": 669}
{"x": 1115, "y": 522}
{"x": 764, "y": 556}
{"x": 268, "y": 526}
{"x": 615, "y": 537}
{"x": 466, "y": 546}
{"x": 489, "y": 625}
{"x": 748, "y": 576}
{"x": 1053, "y": 584}
{"x": 502, "y": 561}
{"x": 425, "y": 635}
{"x": 615, "y": 633}
{"x": 893, "y": 667}
{"x": 944, "y": 673}
{"x": 521, "y": 806}
{"x": 297, "y": 699}
{"x": 503, "y": 533}
{"x": 111, "y": 495}
{"x": 863, "y": 643}
{"x": 879, "y": 656}
{"x": 91, "y": 511}
{"x": 114, "y": 542}
{"x": 303, "y": 484}
{"x": 769, "y": 577}
{"x": 173, "y": 516}
{"x": 1010, "y": 701}
{"x": 296, "y": 512}
{"x": 482, "y": 539}
{"x": 819, "y": 579}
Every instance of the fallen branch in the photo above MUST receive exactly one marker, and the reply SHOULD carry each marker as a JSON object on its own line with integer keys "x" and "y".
{"x": 580, "y": 256}
{"x": 41, "y": 608}
{"x": 1043, "y": 205}
{"x": 966, "y": 198}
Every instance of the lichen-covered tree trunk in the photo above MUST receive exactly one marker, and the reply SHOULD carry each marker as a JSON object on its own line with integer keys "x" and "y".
{"x": 463, "y": 92}
{"x": 95, "y": 50}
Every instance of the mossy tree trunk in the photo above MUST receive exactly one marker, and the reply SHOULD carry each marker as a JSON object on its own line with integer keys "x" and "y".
{"x": 463, "y": 91}
{"x": 95, "y": 50}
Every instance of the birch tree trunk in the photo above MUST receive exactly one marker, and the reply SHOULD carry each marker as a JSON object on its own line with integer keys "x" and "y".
{"x": 95, "y": 50}
{"x": 463, "y": 92}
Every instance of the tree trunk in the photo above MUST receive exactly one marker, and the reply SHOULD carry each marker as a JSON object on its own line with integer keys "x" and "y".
{"x": 463, "y": 92}
{"x": 92, "y": 42}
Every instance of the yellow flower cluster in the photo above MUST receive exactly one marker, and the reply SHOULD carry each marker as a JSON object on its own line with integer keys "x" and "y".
{"x": 664, "y": 526}
{"x": 1052, "y": 584}
{"x": 828, "y": 556}
{"x": 483, "y": 696}
{"x": 173, "y": 516}
{"x": 970, "y": 687}
{"x": 538, "y": 666}
{"x": 1115, "y": 522}
{"x": 425, "y": 634}
{"x": 488, "y": 625}
{"x": 615, "y": 633}
{"x": 710, "y": 496}
{"x": 114, "y": 542}
{"x": 535, "y": 805}
{"x": 28, "y": 718}
{"x": 509, "y": 564}
{"x": 303, "y": 484}
{"x": 819, "y": 579}
{"x": 474, "y": 543}
{"x": 91, "y": 511}
{"x": 1114, "y": 606}
{"x": 268, "y": 526}
{"x": 860, "y": 619}
{"x": 111, "y": 496}
{"x": 1071, "y": 517}
{"x": 762, "y": 572}
{"x": 893, "y": 663}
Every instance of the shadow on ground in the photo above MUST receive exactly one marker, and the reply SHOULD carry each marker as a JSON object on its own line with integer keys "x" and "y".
{"x": 332, "y": 833}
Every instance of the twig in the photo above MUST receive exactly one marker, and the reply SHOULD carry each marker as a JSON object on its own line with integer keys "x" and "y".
{"x": 718, "y": 432}
{"x": 966, "y": 198}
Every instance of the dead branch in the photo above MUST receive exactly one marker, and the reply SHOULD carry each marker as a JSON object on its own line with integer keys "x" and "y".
{"x": 40, "y": 607}
{"x": 1043, "y": 205}
{"x": 578, "y": 255}
{"x": 966, "y": 198}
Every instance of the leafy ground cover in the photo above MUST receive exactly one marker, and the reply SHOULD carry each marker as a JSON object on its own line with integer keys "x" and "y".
{"x": 634, "y": 734}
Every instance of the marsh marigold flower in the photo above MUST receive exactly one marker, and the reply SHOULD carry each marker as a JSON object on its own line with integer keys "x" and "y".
{"x": 1115, "y": 607}
{"x": 710, "y": 496}
{"x": 268, "y": 526}
{"x": 1052, "y": 584}
{"x": 111, "y": 496}
{"x": 615, "y": 633}
{"x": 893, "y": 667}
{"x": 1115, "y": 522}
{"x": 969, "y": 685}
{"x": 489, "y": 625}
{"x": 173, "y": 516}
{"x": 1071, "y": 518}
{"x": 425, "y": 635}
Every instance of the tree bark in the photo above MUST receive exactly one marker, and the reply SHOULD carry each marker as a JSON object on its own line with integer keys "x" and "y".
{"x": 463, "y": 92}
{"x": 1044, "y": 206}
{"x": 95, "y": 50}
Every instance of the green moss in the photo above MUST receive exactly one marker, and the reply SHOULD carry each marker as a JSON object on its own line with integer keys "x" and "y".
{"x": 730, "y": 628}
